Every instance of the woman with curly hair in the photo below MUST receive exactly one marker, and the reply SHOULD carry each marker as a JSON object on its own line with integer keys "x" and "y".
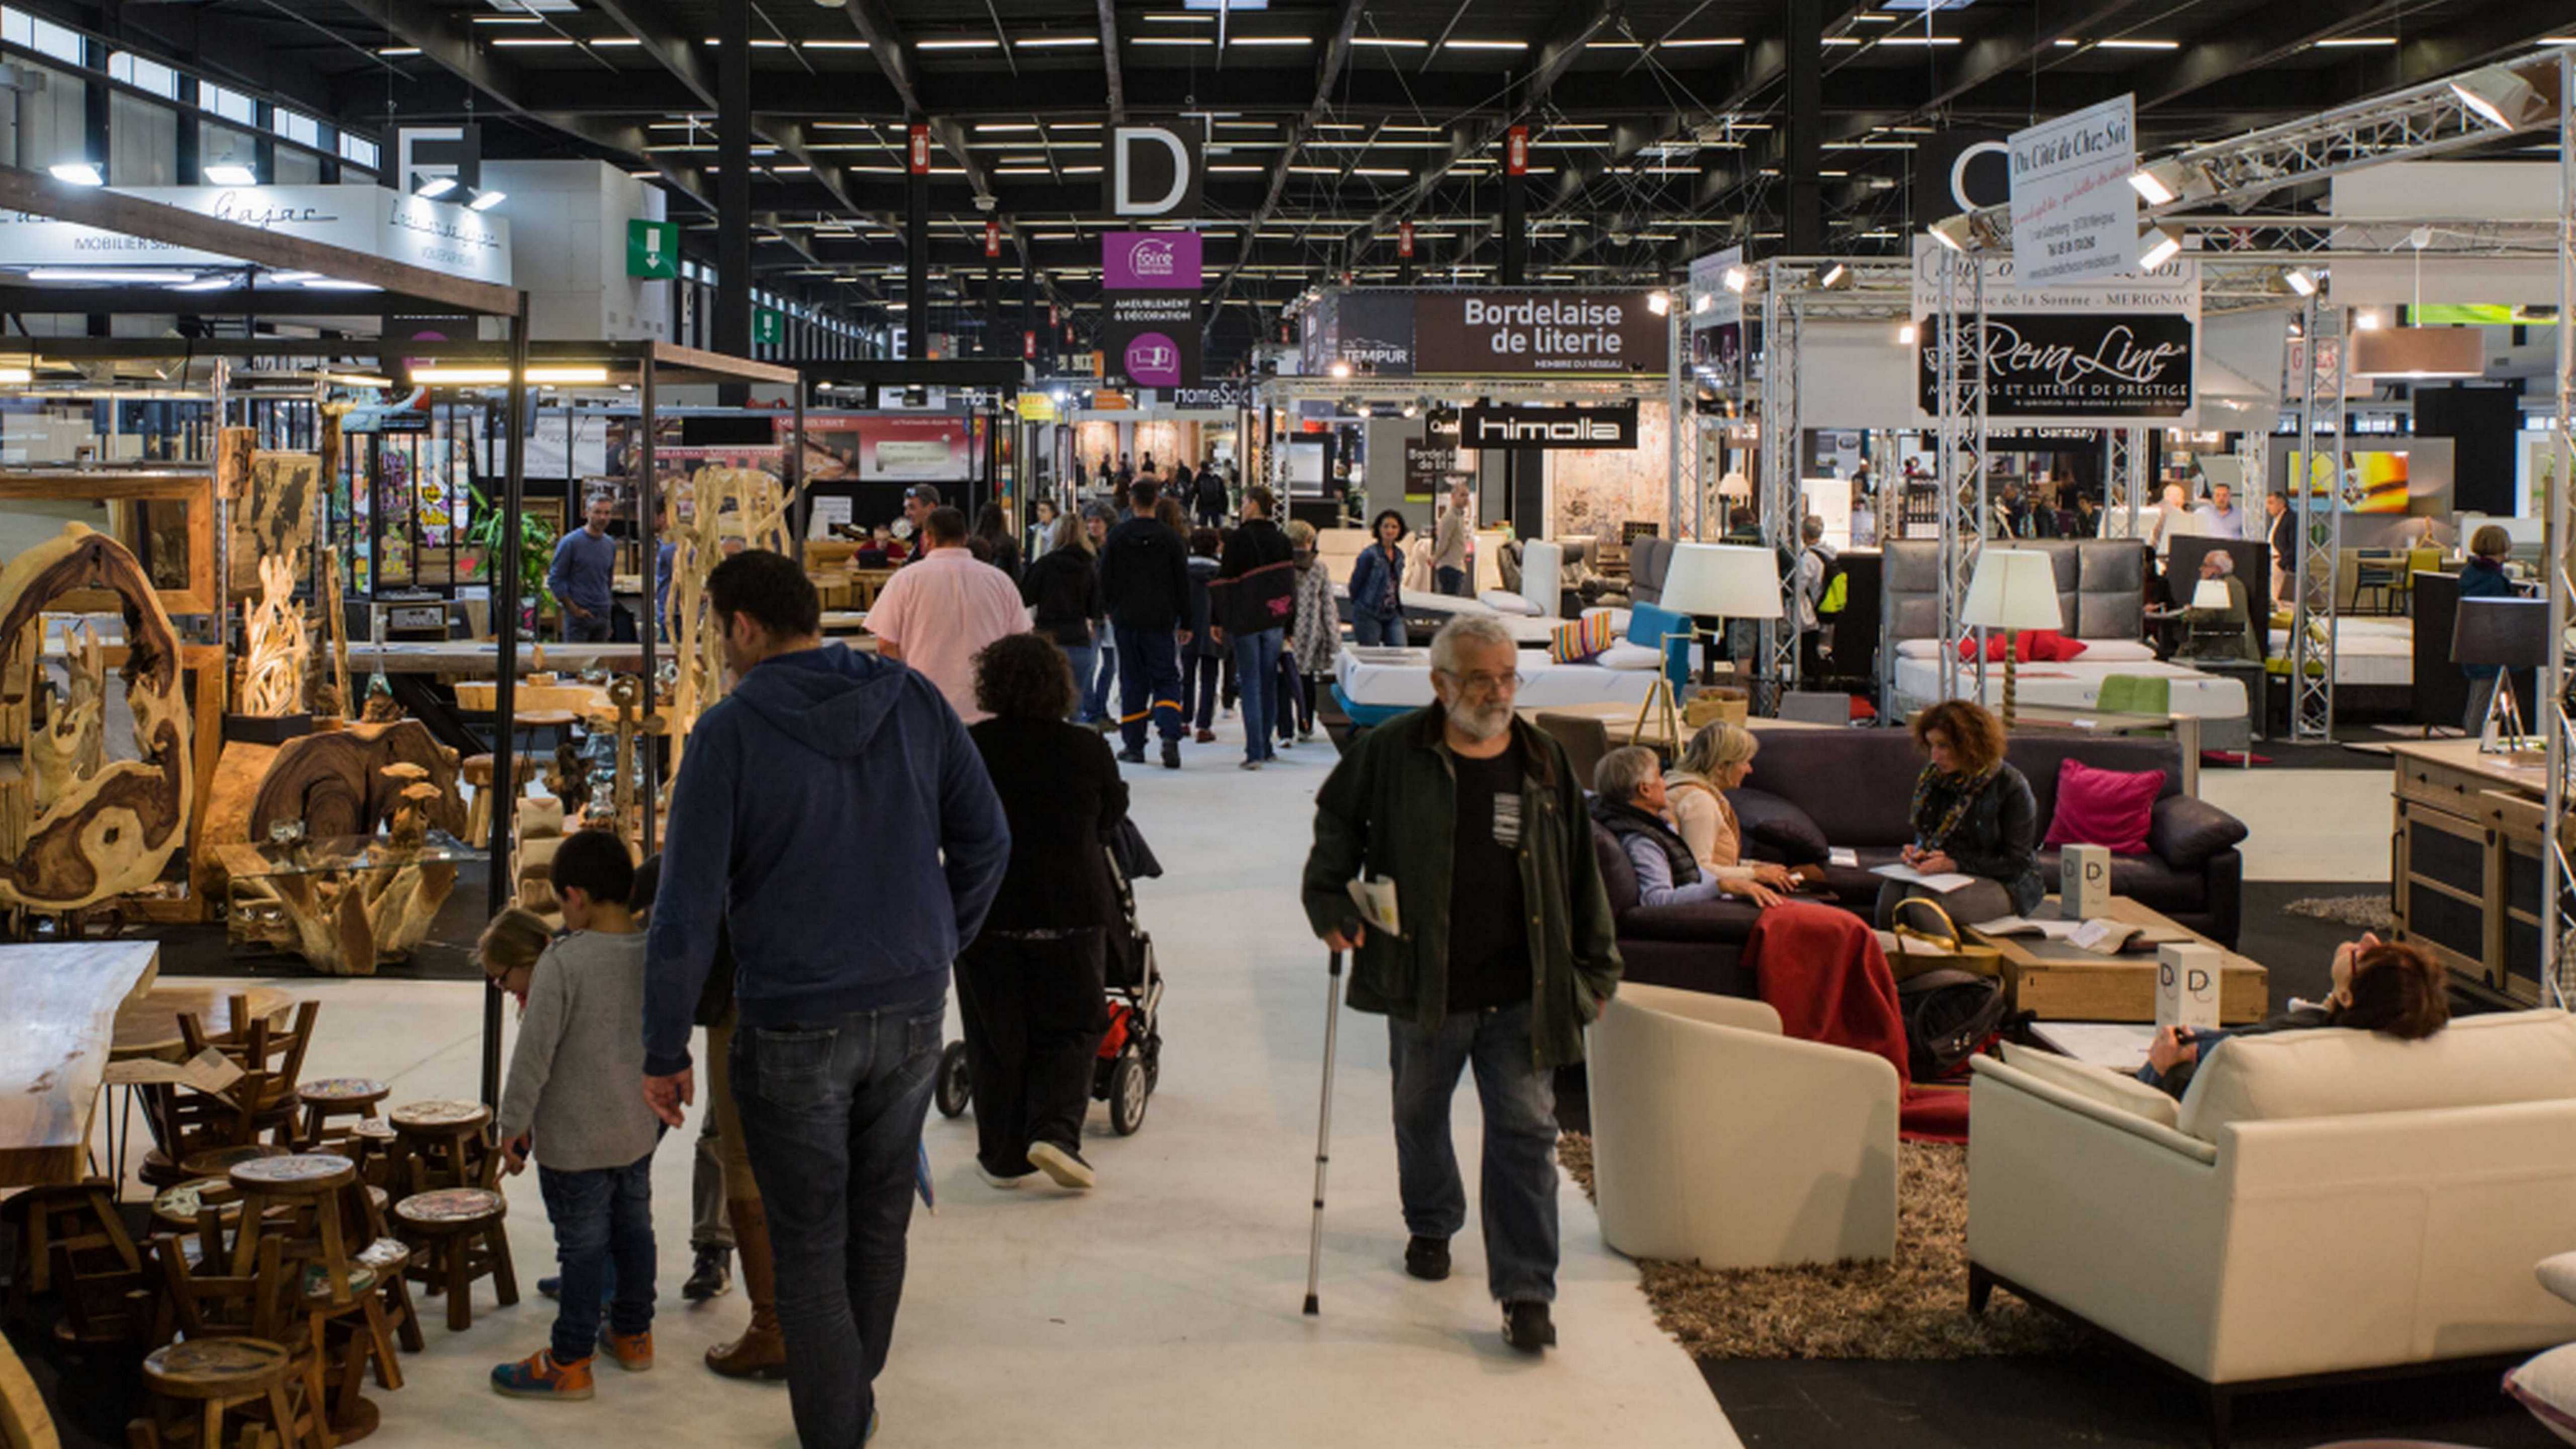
{"x": 1974, "y": 814}
{"x": 1031, "y": 985}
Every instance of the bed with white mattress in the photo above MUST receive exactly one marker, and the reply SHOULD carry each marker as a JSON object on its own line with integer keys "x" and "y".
{"x": 1401, "y": 679}
{"x": 1529, "y": 614}
{"x": 2075, "y": 684}
{"x": 2368, "y": 651}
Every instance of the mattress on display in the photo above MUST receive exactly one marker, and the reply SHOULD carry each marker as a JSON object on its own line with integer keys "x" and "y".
{"x": 2367, "y": 651}
{"x": 1401, "y": 679}
{"x": 2076, "y": 684}
{"x": 1526, "y": 631}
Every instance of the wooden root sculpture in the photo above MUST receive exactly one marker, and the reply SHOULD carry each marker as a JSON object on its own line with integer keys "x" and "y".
{"x": 276, "y": 647}
{"x": 714, "y": 506}
{"x": 114, "y": 831}
{"x": 68, "y": 743}
{"x": 336, "y": 784}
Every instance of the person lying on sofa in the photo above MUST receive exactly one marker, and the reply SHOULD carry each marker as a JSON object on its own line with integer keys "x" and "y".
{"x": 1628, "y": 799}
{"x": 1973, "y": 814}
{"x": 1715, "y": 761}
{"x": 2380, "y": 986}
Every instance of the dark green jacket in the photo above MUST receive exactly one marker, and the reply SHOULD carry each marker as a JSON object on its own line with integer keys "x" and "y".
{"x": 1391, "y": 807}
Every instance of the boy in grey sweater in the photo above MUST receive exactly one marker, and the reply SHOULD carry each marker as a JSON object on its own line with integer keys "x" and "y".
{"x": 571, "y": 1098}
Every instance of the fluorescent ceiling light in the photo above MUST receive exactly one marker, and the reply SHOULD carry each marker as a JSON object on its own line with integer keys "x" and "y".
{"x": 231, "y": 173}
{"x": 1389, "y": 42}
{"x": 1165, "y": 17}
{"x": 1174, "y": 40}
{"x": 17, "y": 374}
{"x": 144, "y": 277}
{"x": 1486, "y": 44}
{"x": 329, "y": 284}
{"x": 357, "y": 379}
{"x": 1279, "y": 40}
{"x": 526, "y": 41}
{"x": 78, "y": 173}
{"x": 486, "y": 200}
{"x": 959, "y": 43}
{"x": 2343, "y": 42}
{"x": 397, "y": 51}
{"x": 603, "y": 42}
{"x": 1055, "y": 42}
{"x": 1918, "y": 40}
{"x": 2139, "y": 44}
{"x": 435, "y": 187}
{"x": 1701, "y": 42}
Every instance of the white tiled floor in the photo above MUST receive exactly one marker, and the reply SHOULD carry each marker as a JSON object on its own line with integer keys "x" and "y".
{"x": 1161, "y": 1310}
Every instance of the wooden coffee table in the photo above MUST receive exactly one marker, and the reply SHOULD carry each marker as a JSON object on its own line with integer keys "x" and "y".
{"x": 2059, "y": 981}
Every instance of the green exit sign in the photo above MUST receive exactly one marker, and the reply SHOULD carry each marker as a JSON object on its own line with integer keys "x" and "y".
{"x": 653, "y": 250}
{"x": 768, "y": 326}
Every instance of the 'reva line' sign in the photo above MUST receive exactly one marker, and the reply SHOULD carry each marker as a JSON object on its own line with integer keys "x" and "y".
{"x": 1482, "y": 425}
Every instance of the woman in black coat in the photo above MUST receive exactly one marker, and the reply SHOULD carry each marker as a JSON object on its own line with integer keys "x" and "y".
{"x": 1973, "y": 815}
{"x": 1032, "y": 985}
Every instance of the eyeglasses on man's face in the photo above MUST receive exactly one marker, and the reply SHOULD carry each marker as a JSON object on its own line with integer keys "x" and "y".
{"x": 1485, "y": 683}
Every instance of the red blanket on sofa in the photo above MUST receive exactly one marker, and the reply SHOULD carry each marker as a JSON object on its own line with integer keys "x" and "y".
{"x": 1822, "y": 970}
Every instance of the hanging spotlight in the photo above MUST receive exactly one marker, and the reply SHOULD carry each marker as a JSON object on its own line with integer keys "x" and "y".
{"x": 435, "y": 187}
{"x": 2368, "y": 319}
{"x": 1833, "y": 277}
{"x": 231, "y": 173}
{"x": 1907, "y": 334}
{"x": 1953, "y": 232}
{"x": 1660, "y": 303}
{"x": 2510, "y": 98}
{"x": 1703, "y": 302}
{"x": 2162, "y": 183}
{"x": 1737, "y": 279}
{"x": 77, "y": 173}
{"x": 2160, "y": 245}
{"x": 486, "y": 200}
{"x": 2301, "y": 281}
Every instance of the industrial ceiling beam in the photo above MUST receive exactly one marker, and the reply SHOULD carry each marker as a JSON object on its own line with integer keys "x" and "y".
{"x": 1337, "y": 58}
{"x": 1109, "y": 60}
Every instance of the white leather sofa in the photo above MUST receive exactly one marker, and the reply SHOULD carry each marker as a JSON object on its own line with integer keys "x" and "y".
{"x": 2319, "y": 1203}
{"x": 1717, "y": 1140}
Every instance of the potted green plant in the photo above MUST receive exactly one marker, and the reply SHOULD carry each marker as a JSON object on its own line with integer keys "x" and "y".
{"x": 536, "y": 553}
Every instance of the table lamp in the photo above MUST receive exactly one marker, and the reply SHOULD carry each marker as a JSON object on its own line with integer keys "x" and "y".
{"x": 2013, "y": 589}
{"x": 1722, "y": 580}
{"x": 2510, "y": 634}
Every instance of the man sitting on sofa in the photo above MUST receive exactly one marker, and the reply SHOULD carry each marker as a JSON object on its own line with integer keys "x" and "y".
{"x": 1628, "y": 799}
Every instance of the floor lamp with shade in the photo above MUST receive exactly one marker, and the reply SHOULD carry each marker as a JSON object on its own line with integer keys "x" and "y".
{"x": 2013, "y": 589}
{"x": 1720, "y": 580}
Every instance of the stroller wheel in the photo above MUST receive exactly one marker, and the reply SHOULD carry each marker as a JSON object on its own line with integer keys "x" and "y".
{"x": 955, "y": 1088}
{"x": 1127, "y": 1095}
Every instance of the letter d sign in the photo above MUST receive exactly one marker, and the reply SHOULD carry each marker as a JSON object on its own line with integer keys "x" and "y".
{"x": 1154, "y": 170}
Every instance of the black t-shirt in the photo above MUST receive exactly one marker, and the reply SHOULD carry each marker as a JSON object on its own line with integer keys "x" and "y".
{"x": 1489, "y": 963}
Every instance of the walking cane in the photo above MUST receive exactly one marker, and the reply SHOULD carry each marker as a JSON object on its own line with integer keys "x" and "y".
{"x": 1324, "y": 1132}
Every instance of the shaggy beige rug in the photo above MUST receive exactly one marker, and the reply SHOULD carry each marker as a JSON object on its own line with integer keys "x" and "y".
{"x": 1914, "y": 1306}
{"x": 2370, "y": 913}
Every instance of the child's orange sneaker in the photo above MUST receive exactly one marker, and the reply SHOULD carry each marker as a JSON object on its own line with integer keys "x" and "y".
{"x": 632, "y": 1352}
{"x": 543, "y": 1376}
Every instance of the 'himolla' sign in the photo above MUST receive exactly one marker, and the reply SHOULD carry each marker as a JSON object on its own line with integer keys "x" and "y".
{"x": 434, "y": 235}
{"x": 1151, "y": 261}
{"x": 1486, "y": 426}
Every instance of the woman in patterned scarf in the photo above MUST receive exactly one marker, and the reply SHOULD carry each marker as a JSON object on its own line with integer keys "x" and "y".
{"x": 1973, "y": 815}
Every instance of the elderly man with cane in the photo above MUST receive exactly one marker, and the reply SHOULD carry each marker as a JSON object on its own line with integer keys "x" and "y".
{"x": 1473, "y": 823}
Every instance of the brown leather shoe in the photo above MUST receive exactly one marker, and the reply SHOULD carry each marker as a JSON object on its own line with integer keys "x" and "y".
{"x": 1206, "y": 737}
{"x": 761, "y": 1352}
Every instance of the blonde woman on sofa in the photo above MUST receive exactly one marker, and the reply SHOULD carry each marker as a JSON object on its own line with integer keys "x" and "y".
{"x": 1715, "y": 761}
{"x": 2381, "y": 986}
{"x": 1629, "y": 800}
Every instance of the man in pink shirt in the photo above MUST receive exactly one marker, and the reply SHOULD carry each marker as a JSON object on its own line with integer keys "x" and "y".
{"x": 939, "y": 614}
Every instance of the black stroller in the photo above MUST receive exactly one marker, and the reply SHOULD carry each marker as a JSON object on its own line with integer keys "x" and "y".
{"x": 1131, "y": 1051}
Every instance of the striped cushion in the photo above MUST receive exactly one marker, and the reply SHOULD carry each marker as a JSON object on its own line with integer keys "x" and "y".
{"x": 1577, "y": 642}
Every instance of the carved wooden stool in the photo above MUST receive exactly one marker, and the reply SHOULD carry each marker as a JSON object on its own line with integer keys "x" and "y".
{"x": 220, "y": 1161}
{"x": 458, "y": 1235}
{"x": 324, "y": 1214}
{"x": 176, "y": 1208}
{"x": 441, "y": 1144}
{"x": 216, "y": 1377}
{"x": 375, "y": 1147}
{"x": 73, "y": 1243}
{"x": 336, "y": 1097}
{"x": 477, "y": 772}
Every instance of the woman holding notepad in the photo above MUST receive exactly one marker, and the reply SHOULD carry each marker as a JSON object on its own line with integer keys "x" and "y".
{"x": 1974, "y": 815}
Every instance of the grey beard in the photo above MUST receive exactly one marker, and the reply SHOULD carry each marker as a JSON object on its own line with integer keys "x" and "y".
{"x": 1481, "y": 721}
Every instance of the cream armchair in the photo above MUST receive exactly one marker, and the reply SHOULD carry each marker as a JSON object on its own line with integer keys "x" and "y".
{"x": 1717, "y": 1140}
{"x": 2320, "y": 1203}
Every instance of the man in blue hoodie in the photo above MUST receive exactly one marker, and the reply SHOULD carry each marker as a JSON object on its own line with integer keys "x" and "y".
{"x": 832, "y": 811}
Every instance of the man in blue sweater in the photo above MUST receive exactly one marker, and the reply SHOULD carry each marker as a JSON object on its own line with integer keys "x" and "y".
{"x": 585, "y": 563}
{"x": 833, "y": 813}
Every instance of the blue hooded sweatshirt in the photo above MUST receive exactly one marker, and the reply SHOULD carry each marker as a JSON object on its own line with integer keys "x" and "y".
{"x": 834, "y": 812}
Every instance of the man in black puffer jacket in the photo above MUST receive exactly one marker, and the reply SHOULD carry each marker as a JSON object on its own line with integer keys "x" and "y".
{"x": 1145, "y": 584}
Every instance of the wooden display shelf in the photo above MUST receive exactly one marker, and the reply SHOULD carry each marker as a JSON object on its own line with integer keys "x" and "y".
{"x": 2465, "y": 863}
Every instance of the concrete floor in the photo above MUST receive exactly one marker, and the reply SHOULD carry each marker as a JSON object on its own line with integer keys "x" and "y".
{"x": 1162, "y": 1309}
{"x": 2308, "y": 825}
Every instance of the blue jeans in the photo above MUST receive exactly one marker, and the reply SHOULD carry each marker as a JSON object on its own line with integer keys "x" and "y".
{"x": 601, "y": 1216}
{"x": 1085, "y": 659}
{"x": 593, "y": 630}
{"x": 1149, "y": 684}
{"x": 1256, "y": 673}
{"x": 1452, "y": 582}
{"x": 1518, "y": 1194}
{"x": 832, "y": 1117}
{"x": 1369, "y": 632}
{"x": 1095, "y": 686}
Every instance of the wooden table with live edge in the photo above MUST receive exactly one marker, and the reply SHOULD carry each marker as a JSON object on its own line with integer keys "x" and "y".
{"x": 2061, "y": 981}
{"x": 63, "y": 1005}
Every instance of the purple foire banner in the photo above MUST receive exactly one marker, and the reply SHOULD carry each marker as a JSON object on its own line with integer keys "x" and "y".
{"x": 1150, "y": 261}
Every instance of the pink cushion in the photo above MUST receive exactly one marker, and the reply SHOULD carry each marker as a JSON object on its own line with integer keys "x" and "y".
{"x": 2104, "y": 807}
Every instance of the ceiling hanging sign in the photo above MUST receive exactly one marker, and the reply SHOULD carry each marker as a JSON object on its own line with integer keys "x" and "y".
{"x": 2109, "y": 352}
{"x": 1482, "y": 426}
{"x": 1154, "y": 170}
{"x": 653, "y": 249}
{"x": 1717, "y": 318}
{"x": 1223, "y": 395}
{"x": 1152, "y": 338}
{"x": 1159, "y": 261}
{"x": 2074, "y": 214}
{"x": 1582, "y": 334}
{"x": 437, "y": 236}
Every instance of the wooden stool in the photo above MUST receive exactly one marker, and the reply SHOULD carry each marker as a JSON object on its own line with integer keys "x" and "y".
{"x": 300, "y": 1188}
{"x": 176, "y": 1208}
{"x": 390, "y": 1261}
{"x": 337, "y": 1097}
{"x": 220, "y": 1161}
{"x": 373, "y": 1146}
{"x": 441, "y": 1145}
{"x": 218, "y": 1376}
{"x": 323, "y": 1211}
{"x": 477, "y": 772}
{"x": 71, "y": 1241}
{"x": 445, "y": 1226}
